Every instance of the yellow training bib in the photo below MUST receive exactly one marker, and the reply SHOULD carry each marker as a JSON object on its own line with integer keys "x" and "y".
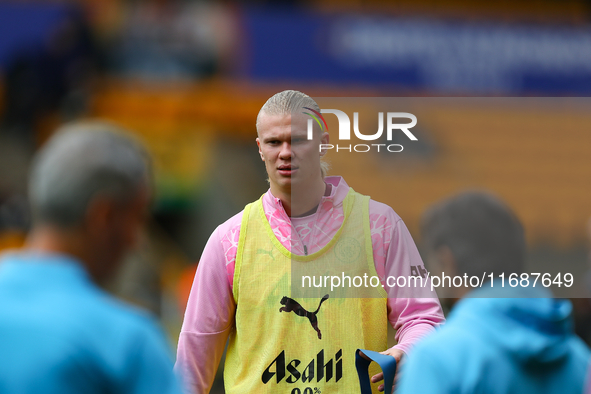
{"x": 302, "y": 345}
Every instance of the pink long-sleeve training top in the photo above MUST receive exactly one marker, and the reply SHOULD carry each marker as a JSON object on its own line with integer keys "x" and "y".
{"x": 210, "y": 311}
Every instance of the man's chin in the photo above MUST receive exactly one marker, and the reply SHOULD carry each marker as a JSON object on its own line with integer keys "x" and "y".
{"x": 282, "y": 183}
{"x": 293, "y": 180}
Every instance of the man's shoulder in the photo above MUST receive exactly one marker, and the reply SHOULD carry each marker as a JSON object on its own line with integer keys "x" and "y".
{"x": 445, "y": 346}
{"x": 230, "y": 226}
{"x": 85, "y": 317}
{"x": 462, "y": 335}
{"x": 129, "y": 315}
{"x": 376, "y": 208}
{"x": 233, "y": 221}
{"x": 108, "y": 318}
{"x": 117, "y": 335}
{"x": 440, "y": 360}
{"x": 382, "y": 215}
{"x": 382, "y": 208}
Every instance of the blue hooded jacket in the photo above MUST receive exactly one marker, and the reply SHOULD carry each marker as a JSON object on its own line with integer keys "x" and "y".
{"x": 61, "y": 334}
{"x": 490, "y": 344}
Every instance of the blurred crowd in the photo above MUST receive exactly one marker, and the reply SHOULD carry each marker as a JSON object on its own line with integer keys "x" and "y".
{"x": 190, "y": 76}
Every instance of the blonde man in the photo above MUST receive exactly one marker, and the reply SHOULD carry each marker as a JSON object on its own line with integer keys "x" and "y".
{"x": 242, "y": 291}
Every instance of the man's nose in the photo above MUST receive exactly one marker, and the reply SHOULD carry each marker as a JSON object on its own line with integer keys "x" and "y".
{"x": 285, "y": 150}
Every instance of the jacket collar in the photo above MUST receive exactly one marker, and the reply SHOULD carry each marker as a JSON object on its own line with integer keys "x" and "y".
{"x": 338, "y": 192}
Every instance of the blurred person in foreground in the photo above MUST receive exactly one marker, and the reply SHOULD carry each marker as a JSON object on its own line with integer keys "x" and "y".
{"x": 89, "y": 192}
{"x": 497, "y": 339}
{"x": 242, "y": 288}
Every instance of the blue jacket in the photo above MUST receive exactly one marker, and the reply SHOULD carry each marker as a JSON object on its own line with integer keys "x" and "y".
{"x": 501, "y": 345}
{"x": 59, "y": 333}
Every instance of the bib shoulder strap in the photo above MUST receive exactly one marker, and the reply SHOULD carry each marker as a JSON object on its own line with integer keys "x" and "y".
{"x": 252, "y": 207}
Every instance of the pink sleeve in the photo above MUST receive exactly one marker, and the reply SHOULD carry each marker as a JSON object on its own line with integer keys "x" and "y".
{"x": 208, "y": 320}
{"x": 413, "y": 312}
{"x": 418, "y": 314}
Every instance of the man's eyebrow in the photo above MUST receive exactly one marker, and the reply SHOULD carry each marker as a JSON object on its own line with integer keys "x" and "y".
{"x": 299, "y": 136}
{"x": 270, "y": 138}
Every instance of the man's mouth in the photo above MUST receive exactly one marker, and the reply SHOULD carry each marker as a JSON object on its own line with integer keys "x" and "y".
{"x": 287, "y": 169}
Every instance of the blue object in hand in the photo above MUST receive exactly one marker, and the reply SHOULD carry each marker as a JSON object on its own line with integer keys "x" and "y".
{"x": 387, "y": 363}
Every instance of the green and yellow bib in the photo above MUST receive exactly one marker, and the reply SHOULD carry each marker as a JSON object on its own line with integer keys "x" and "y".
{"x": 275, "y": 347}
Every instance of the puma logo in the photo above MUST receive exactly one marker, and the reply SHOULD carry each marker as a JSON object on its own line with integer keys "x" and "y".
{"x": 295, "y": 307}
{"x": 268, "y": 252}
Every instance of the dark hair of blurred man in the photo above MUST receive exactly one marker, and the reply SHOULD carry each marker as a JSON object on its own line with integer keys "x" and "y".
{"x": 89, "y": 192}
{"x": 497, "y": 339}
{"x": 470, "y": 234}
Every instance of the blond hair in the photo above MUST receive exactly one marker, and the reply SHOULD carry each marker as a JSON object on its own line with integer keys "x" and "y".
{"x": 286, "y": 102}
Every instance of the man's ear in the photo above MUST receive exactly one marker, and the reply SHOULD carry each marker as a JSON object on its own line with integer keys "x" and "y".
{"x": 324, "y": 140}
{"x": 260, "y": 151}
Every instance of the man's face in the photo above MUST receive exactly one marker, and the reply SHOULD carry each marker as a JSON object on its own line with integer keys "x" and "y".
{"x": 290, "y": 158}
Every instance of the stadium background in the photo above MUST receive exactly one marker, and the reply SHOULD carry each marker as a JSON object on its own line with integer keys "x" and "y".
{"x": 190, "y": 76}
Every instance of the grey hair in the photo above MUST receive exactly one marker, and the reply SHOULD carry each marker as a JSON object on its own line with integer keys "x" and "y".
{"x": 81, "y": 161}
{"x": 287, "y": 102}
